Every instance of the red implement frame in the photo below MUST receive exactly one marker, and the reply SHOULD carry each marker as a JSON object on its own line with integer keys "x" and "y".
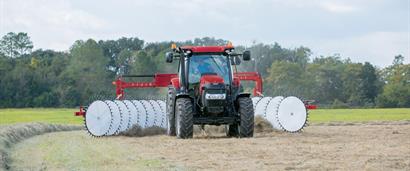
{"x": 160, "y": 80}
{"x": 81, "y": 112}
{"x": 252, "y": 76}
{"x": 163, "y": 80}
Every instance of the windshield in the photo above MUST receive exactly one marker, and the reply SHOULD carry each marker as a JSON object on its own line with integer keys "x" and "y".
{"x": 200, "y": 64}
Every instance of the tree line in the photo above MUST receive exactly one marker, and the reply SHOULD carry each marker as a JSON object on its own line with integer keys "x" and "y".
{"x": 48, "y": 78}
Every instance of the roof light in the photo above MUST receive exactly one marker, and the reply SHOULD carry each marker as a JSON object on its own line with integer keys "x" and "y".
{"x": 229, "y": 45}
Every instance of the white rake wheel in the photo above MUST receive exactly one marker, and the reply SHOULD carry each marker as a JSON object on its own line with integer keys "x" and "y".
{"x": 125, "y": 115}
{"x": 98, "y": 118}
{"x": 272, "y": 112}
{"x": 150, "y": 117}
{"x": 260, "y": 109}
{"x": 255, "y": 101}
{"x": 163, "y": 113}
{"x": 133, "y": 112}
{"x": 142, "y": 113}
{"x": 116, "y": 118}
{"x": 292, "y": 114}
{"x": 163, "y": 105}
{"x": 157, "y": 110}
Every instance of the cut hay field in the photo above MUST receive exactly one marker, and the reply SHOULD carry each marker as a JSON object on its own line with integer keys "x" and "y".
{"x": 66, "y": 116}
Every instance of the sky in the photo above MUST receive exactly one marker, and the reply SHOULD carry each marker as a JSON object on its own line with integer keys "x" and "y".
{"x": 362, "y": 30}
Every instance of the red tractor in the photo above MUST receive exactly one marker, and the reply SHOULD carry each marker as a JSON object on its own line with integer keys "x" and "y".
{"x": 206, "y": 91}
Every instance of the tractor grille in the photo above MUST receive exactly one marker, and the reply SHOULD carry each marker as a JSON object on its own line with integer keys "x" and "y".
{"x": 216, "y": 102}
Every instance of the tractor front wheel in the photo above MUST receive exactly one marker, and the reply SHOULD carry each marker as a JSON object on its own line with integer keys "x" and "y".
{"x": 184, "y": 118}
{"x": 246, "y": 125}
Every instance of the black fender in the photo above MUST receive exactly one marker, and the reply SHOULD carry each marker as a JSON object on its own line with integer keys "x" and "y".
{"x": 185, "y": 95}
{"x": 180, "y": 95}
{"x": 177, "y": 94}
{"x": 239, "y": 96}
{"x": 243, "y": 95}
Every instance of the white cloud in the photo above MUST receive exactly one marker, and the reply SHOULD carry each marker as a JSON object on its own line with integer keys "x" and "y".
{"x": 49, "y": 21}
{"x": 337, "y": 7}
{"x": 378, "y": 48}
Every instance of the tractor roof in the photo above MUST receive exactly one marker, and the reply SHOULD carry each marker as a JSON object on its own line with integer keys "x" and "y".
{"x": 207, "y": 49}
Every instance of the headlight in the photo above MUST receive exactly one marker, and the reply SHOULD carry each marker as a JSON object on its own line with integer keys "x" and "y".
{"x": 215, "y": 96}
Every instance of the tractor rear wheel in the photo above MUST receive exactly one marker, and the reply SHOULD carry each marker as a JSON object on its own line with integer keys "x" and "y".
{"x": 171, "y": 112}
{"x": 184, "y": 118}
{"x": 246, "y": 125}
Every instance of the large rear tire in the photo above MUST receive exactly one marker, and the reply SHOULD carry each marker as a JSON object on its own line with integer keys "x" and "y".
{"x": 184, "y": 118}
{"x": 246, "y": 125}
{"x": 171, "y": 112}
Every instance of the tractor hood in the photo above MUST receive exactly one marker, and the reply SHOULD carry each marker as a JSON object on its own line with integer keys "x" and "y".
{"x": 209, "y": 79}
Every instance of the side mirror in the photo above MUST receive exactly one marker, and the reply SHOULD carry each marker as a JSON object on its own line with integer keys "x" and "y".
{"x": 235, "y": 60}
{"x": 168, "y": 57}
{"x": 246, "y": 56}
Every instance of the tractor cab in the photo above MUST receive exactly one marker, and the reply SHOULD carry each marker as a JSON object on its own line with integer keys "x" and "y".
{"x": 198, "y": 63}
{"x": 209, "y": 78}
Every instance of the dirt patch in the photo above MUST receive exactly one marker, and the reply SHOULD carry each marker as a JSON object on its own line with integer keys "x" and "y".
{"x": 10, "y": 135}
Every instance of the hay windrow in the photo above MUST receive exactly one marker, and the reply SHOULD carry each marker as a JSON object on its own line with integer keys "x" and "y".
{"x": 137, "y": 131}
{"x": 262, "y": 125}
{"x": 12, "y": 135}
